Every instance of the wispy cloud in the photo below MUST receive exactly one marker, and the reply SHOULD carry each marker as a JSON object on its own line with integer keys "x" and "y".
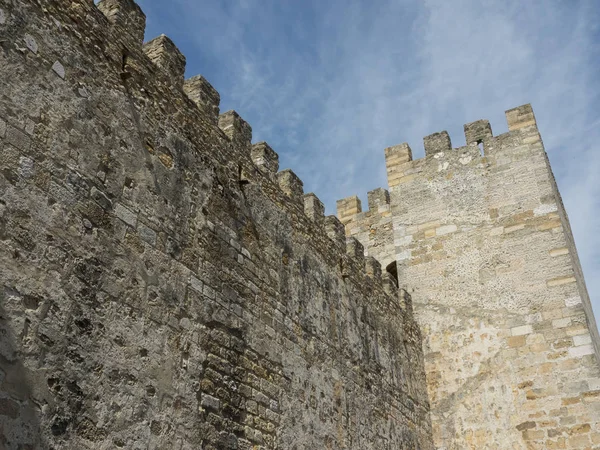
{"x": 330, "y": 84}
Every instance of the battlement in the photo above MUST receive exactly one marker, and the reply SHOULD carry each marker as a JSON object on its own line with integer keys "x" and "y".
{"x": 151, "y": 243}
{"x": 206, "y": 97}
{"x": 373, "y": 228}
{"x": 348, "y": 208}
{"x": 402, "y": 168}
{"x": 128, "y": 18}
{"x": 157, "y": 69}
{"x": 163, "y": 52}
{"x": 153, "y": 254}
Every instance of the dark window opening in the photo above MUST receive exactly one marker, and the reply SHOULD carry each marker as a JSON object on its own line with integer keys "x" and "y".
{"x": 392, "y": 269}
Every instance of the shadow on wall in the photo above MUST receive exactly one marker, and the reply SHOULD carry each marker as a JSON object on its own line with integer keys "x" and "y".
{"x": 19, "y": 416}
{"x": 392, "y": 269}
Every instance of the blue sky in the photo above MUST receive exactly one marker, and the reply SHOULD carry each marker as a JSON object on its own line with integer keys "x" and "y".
{"x": 330, "y": 84}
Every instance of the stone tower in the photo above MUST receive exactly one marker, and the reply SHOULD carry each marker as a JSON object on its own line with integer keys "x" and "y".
{"x": 480, "y": 237}
{"x": 164, "y": 285}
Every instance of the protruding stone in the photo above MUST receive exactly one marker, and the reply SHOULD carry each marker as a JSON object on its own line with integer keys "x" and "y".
{"x": 347, "y": 208}
{"x": 373, "y": 267}
{"x": 236, "y": 128}
{"x": 31, "y": 43}
{"x": 59, "y": 69}
{"x": 405, "y": 301}
{"x": 204, "y": 96}
{"x": 335, "y": 230}
{"x": 265, "y": 158}
{"x": 128, "y": 17}
{"x": 314, "y": 208}
{"x": 396, "y": 159}
{"x": 390, "y": 284}
{"x": 290, "y": 184}
{"x": 355, "y": 250}
{"x": 163, "y": 52}
{"x": 437, "y": 143}
{"x": 378, "y": 197}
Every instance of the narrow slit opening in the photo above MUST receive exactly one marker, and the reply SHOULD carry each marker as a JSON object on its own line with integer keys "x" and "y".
{"x": 392, "y": 269}
{"x": 480, "y": 145}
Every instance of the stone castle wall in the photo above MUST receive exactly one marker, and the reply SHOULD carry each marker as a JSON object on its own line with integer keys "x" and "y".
{"x": 161, "y": 284}
{"x": 373, "y": 228}
{"x": 483, "y": 243}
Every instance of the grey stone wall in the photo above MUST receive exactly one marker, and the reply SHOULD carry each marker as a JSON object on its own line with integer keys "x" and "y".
{"x": 160, "y": 285}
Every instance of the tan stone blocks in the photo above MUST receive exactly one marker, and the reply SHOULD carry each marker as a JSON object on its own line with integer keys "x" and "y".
{"x": 552, "y": 314}
{"x": 445, "y": 229}
{"x": 560, "y": 281}
{"x": 398, "y": 161}
{"x": 561, "y": 323}
{"x": 582, "y": 350}
{"x": 521, "y": 330}
{"x": 428, "y": 225}
{"x": 572, "y": 301}
{"x": 559, "y": 251}
{"x": 557, "y": 444}
{"x": 348, "y": 207}
{"x": 520, "y": 117}
{"x": 496, "y": 231}
{"x": 562, "y": 343}
{"x": 578, "y": 441}
{"x": 514, "y": 228}
{"x": 576, "y": 330}
{"x": 516, "y": 341}
{"x": 550, "y": 224}
{"x": 582, "y": 340}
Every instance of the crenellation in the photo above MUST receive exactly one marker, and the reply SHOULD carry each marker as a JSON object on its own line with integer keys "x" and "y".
{"x": 405, "y": 301}
{"x": 390, "y": 285}
{"x": 163, "y": 52}
{"x": 129, "y": 18}
{"x": 314, "y": 208}
{"x": 213, "y": 292}
{"x": 348, "y": 207}
{"x": 373, "y": 267}
{"x": 397, "y": 160}
{"x": 520, "y": 117}
{"x": 335, "y": 230}
{"x": 437, "y": 143}
{"x": 378, "y": 198}
{"x": 479, "y": 132}
{"x": 206, "y": 97}
{"x": 291, "y": 185}
{"x": 484, "y": 243}
{"x": 236, "y": 128}
{"x": 356, "y": 251}
{"x": 265, "y": 158}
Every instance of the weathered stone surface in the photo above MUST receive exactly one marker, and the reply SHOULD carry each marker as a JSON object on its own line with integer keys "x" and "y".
{"x": 159, "y": 286}
{"x": 484, "y": 245}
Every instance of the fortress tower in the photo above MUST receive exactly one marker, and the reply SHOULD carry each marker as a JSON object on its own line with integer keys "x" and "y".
{"x": 480, "y": 237}
{"x": 163, "y": 285}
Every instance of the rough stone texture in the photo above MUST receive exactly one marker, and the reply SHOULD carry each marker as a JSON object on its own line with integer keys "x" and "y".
{"x": 157, "y": 288}
{"x": 163, "y": 52}
{"x": 206, "y": 97}
{"x": 373, "y": 228}
{"x": 436, "y": 143}
{"x": 484, "y": 245}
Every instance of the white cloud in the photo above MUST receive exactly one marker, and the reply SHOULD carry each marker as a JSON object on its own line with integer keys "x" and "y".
{"x": 330, "y": 84}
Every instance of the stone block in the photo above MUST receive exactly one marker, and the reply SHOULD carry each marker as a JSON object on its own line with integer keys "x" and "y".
{"x": 437, "y": 143}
